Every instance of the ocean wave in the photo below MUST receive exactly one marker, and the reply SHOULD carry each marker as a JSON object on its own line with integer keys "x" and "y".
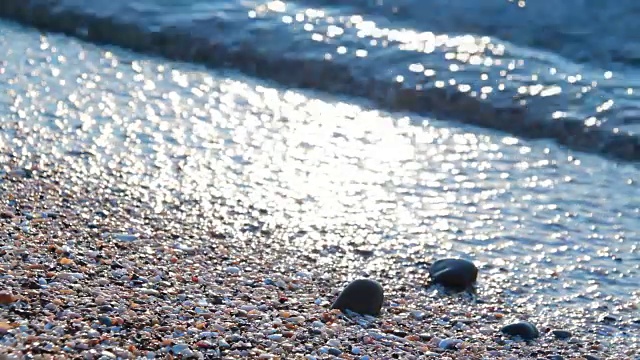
{"x": 456, "y": 75}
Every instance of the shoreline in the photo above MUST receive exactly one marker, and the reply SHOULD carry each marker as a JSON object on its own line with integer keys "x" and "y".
{"x": 194, "y": 283}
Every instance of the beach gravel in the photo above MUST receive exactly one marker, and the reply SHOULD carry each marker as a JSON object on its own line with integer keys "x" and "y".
{"x": 215, "y": 288}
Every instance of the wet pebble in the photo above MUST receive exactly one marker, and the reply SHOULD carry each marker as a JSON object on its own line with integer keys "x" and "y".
{"x": 453, "y": 273}
{"x": 524, "y": 329}
{"x": 363, "y": 296}
{"x": 561, "y": 334}
{"x": 234, "y": 270}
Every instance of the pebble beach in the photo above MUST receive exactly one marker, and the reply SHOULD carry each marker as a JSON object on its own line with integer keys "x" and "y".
{"x": 90, "y": 270}
{"x": 157, "y": 209}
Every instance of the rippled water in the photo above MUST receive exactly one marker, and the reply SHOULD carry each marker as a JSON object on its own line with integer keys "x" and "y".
{"x": 547, "y": 224}
{"x": 535, "y": 69}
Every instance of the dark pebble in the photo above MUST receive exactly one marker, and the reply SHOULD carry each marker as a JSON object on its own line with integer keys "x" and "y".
{"x": 363, "y": 296}
{"x": 453, "y": 273}
{"x": 555, "y": 357}
{"x": 217, "y": 300}
{"x": 31, "y": 284}
{"x": 334, "y": 352}
{"x": 524, "y": 329}
{"x": 591, "y": 357}
{"x": 561, "y": 334}
{"x": 106, "y": 308}
{"x": 105, "y": 320}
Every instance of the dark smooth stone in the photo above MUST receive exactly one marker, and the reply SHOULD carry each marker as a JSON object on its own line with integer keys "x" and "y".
{"x": 363, "y": 296}
{"x": 591, "y": 357}
{"x": 453, "y": 273}
{"x": 561, "y": 334}
{"x": 524, "y": 329}
{"x": 555, "y": 357}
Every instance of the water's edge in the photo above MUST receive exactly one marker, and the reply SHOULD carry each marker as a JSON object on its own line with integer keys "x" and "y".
{"x": 297, "y": 71}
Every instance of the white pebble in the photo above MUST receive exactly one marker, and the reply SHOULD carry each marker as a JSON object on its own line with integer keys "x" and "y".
{"x": 304, "y": 274}
{"x": 275, "y": 337}
{"x": 125, "y": 237}
{"x": 232, "y": 270}
{"x": 248, "y": 307}
{"x": 418, "y": 315}
{"x": 334, "y": 343}
{"x": 150, "y": 291}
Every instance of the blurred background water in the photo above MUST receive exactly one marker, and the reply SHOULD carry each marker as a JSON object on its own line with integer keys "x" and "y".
{"x": 359, "y": 119}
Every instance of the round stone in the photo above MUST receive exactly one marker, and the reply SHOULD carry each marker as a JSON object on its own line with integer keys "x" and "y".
{"x": 453, "y": 273}
{"x": 524, "y": 329}
{"x": 363, "y": 296}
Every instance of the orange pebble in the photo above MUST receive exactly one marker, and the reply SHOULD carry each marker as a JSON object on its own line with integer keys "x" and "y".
{"x": 7, "y": 298}
{"x": 66, "y": 261}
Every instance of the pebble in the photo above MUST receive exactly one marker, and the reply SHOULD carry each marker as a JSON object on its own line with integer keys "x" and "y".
{"x": 418, "y": 315}
{"x": 335, "y": 352}
{"x": 561, "y": 334}
{"x": 125, "y": 237}
{"x": 334, "y": 343}
{"x": 276, "y": 337}
{"x": 105, "y": 320}
{"x": 7, "y": 298}
{"x": 108, "y": 354}
{"x": 524, "y": 329}
{"x": 179, "y": 348}
{"x": 449, "y": 344}
{"x": 555, "y": 357}
{"x": 232, "y": 270}
{"x": 363, "y": 296}
{"x": 453, "y": 273}
{"x": 356, "y": 350}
